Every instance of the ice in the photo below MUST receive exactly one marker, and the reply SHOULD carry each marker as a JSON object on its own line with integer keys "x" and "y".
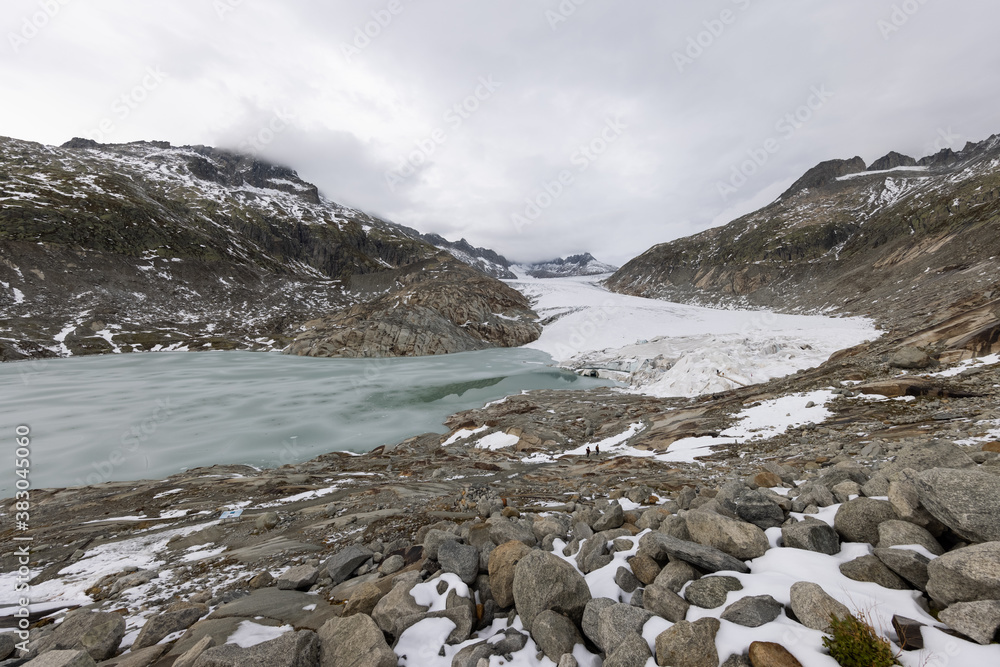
{"x": 249, "y": 634}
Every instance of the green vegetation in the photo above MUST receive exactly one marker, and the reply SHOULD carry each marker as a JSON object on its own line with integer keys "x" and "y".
{"x": 853, "y": 642}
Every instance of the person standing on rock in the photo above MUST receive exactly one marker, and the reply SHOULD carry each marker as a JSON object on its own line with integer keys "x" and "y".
{"x": 588, "y": 452}
{"x": 597, "y": 450}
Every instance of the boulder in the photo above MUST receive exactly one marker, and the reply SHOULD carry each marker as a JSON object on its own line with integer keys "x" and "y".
{"x": 555, "y": 634}
{"x": 665, "y": 603}
{"x": 633, "y": 651}
{"x": 966, "y": 501}
{"x": 687, "y": 644}
{"x": 161, "y": 625}
{"x": 769, "y": 654}
{"x": 6, "y": 645}
{"x": 344, "y": 562}
{"x": 298, "y": 578}
{"x": 363, "y": 599}
{"x": 544, "y": 581}
{"x": 675, "y": 574}
{"x": 739, "y": 539}
{"x": 904, "y": 533}
{"x": 143, "y": 657}
{"x": 644, "y": 568}
{"x": 190, "y": 656}
{"x": 396, "y": 604}
{"x": 62, "y": 658}
{"x": 969, "y": 574}
{"x": 903, "y": 496}
{"x": 503, "y": 560}
{"x": 355, "y": 641}
{"x": 711, "y": 592}
{"x": 292, "y": 649}
{"x": 870, "y": 568}
{"x": 617, "y": 622}
{"x": 910, "y": 358}
{"x": 591, "y": 616}
{"x": 977, "y": 620}
{"x": 433, "y": 540}
{"x": 908, "y": 564}
{"x": 812, "y": 535}
{"x": 926, "y": 455}
{"x": 659, "y": 546}
{"x": 758, "y": 508}
{"x": 611, "y": 518}
{"x": 814, "y": 607}
{"x": 97, "y": 633}
{"x": 675, "y": 526}
{"x": 753, "y": 611}
{"x": 504, "y": 530}
{"x": 461, "y": 559}
{"x": 266, "y": 521}
{"x": 857, "y": 520}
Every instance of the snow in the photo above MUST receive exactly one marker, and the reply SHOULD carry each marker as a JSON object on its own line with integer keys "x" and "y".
{"x": 249, "y": 634}
{"x": 667, "y": 349}
{"x": 497, "y": 440}
{"x": 966, "y": 365}
{"x": 462, "y": 434}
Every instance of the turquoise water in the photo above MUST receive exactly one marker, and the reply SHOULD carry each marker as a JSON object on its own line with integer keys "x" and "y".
{"x": 147, "y": 416}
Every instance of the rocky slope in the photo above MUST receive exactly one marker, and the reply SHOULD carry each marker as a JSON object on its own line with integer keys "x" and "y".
{"x": 574, "y": 265}
{"x": 144, "y": 246}
{"x": 445, "y": 550}
{"x": 907, "y": 243}
{"x": 484, "y": 260}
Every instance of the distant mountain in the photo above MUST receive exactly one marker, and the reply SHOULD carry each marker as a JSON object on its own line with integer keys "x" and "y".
{"x": 574, "y": 265}
{"x": 906, "y": 242}
{"x": 148, "y": 246}
{"x": 484, "y": 260}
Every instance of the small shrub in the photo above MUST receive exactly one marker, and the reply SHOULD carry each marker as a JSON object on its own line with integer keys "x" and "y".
{"x": 854, "y": 643}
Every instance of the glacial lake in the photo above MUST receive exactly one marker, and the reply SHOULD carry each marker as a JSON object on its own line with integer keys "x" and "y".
{"x": 150, "y": 415}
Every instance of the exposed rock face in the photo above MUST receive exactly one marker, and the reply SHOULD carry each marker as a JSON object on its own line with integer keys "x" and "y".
{"x": 574, "y": 265}
{"x": 127, "y": 247}
{"x": 903, "y": 247}
{"x": 891, "y": 160}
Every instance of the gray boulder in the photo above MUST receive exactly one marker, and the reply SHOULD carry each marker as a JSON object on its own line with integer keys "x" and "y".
{"x": 905, "y": 499}
{"x": 969, "y": 574}
{"x": 753, "y": 611}
{"x": 870, "y": 568}
{"x": 675, "y": 574}
{"x": 591, "y": 617}
{"x": 62, "y": 658}
{"x": 644, "y": 568}
{"x": 908, "y": 564}
{"x": 292, "y": 649}
{"x": 687, "y": 644}
{"x": 964, "y": 500}
{"x": 739, "y": 539}
{"x": 503, "y": 561}
{"x": 504, "y": 530}
{"x": 926, "y": 455}
{"x": 396, "y": 604}
{"x": 711, "y": 592}
{"x": 434, "y": 539}
{"x": 665, "y": 603}
{"x": 633, "y": 651}
{"x": 977, "y": 620}
{"x": 675, "y": 526}
{"x": 611, "y": 518}
{"x": 460, "y": 559}
{"x": 298, "y": 578}
{"x": 97, "y": 633}
{"x": 355, "y": 641}
{"x": 659, "y": 546}
{"x": 191, "y": 655}
{"x": 161, "y": 625}
{"x": 758, "y": 508}
{"x": 626, "y": 580}
{"x": 910, "y": 358}
{"x": 555, "y": 634}
{"x": 544, "y": 581}
{"x": 857, "y": 520}
{"x": 7, "y": 645}
{"x": 812, "y": 535}
{"x": 617, "y": 622}
{"x": 344, "y": 562}
{"x": 904, "y": 533}
{"x": 814, "y": 607}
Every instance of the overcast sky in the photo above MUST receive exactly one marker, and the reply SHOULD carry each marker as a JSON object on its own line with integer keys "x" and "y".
{"x": 535, "y": 128}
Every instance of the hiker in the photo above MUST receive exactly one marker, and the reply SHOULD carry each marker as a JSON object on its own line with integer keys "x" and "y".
{"x": 597, "y": 450}
{"x": 588, "y": 452}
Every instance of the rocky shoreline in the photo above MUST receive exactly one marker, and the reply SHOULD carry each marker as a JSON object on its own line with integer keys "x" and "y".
{"x": 503, "y": 542}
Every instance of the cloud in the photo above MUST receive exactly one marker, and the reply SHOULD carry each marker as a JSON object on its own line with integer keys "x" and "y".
{"x": 390, "y": 113}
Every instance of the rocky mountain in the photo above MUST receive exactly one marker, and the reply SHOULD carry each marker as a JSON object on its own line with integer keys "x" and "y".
{"x": 484, "y": 260}
{"x": 574, "y": 265}
{"x": 146, "y": 246}
{"x": 908, "y": 243}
